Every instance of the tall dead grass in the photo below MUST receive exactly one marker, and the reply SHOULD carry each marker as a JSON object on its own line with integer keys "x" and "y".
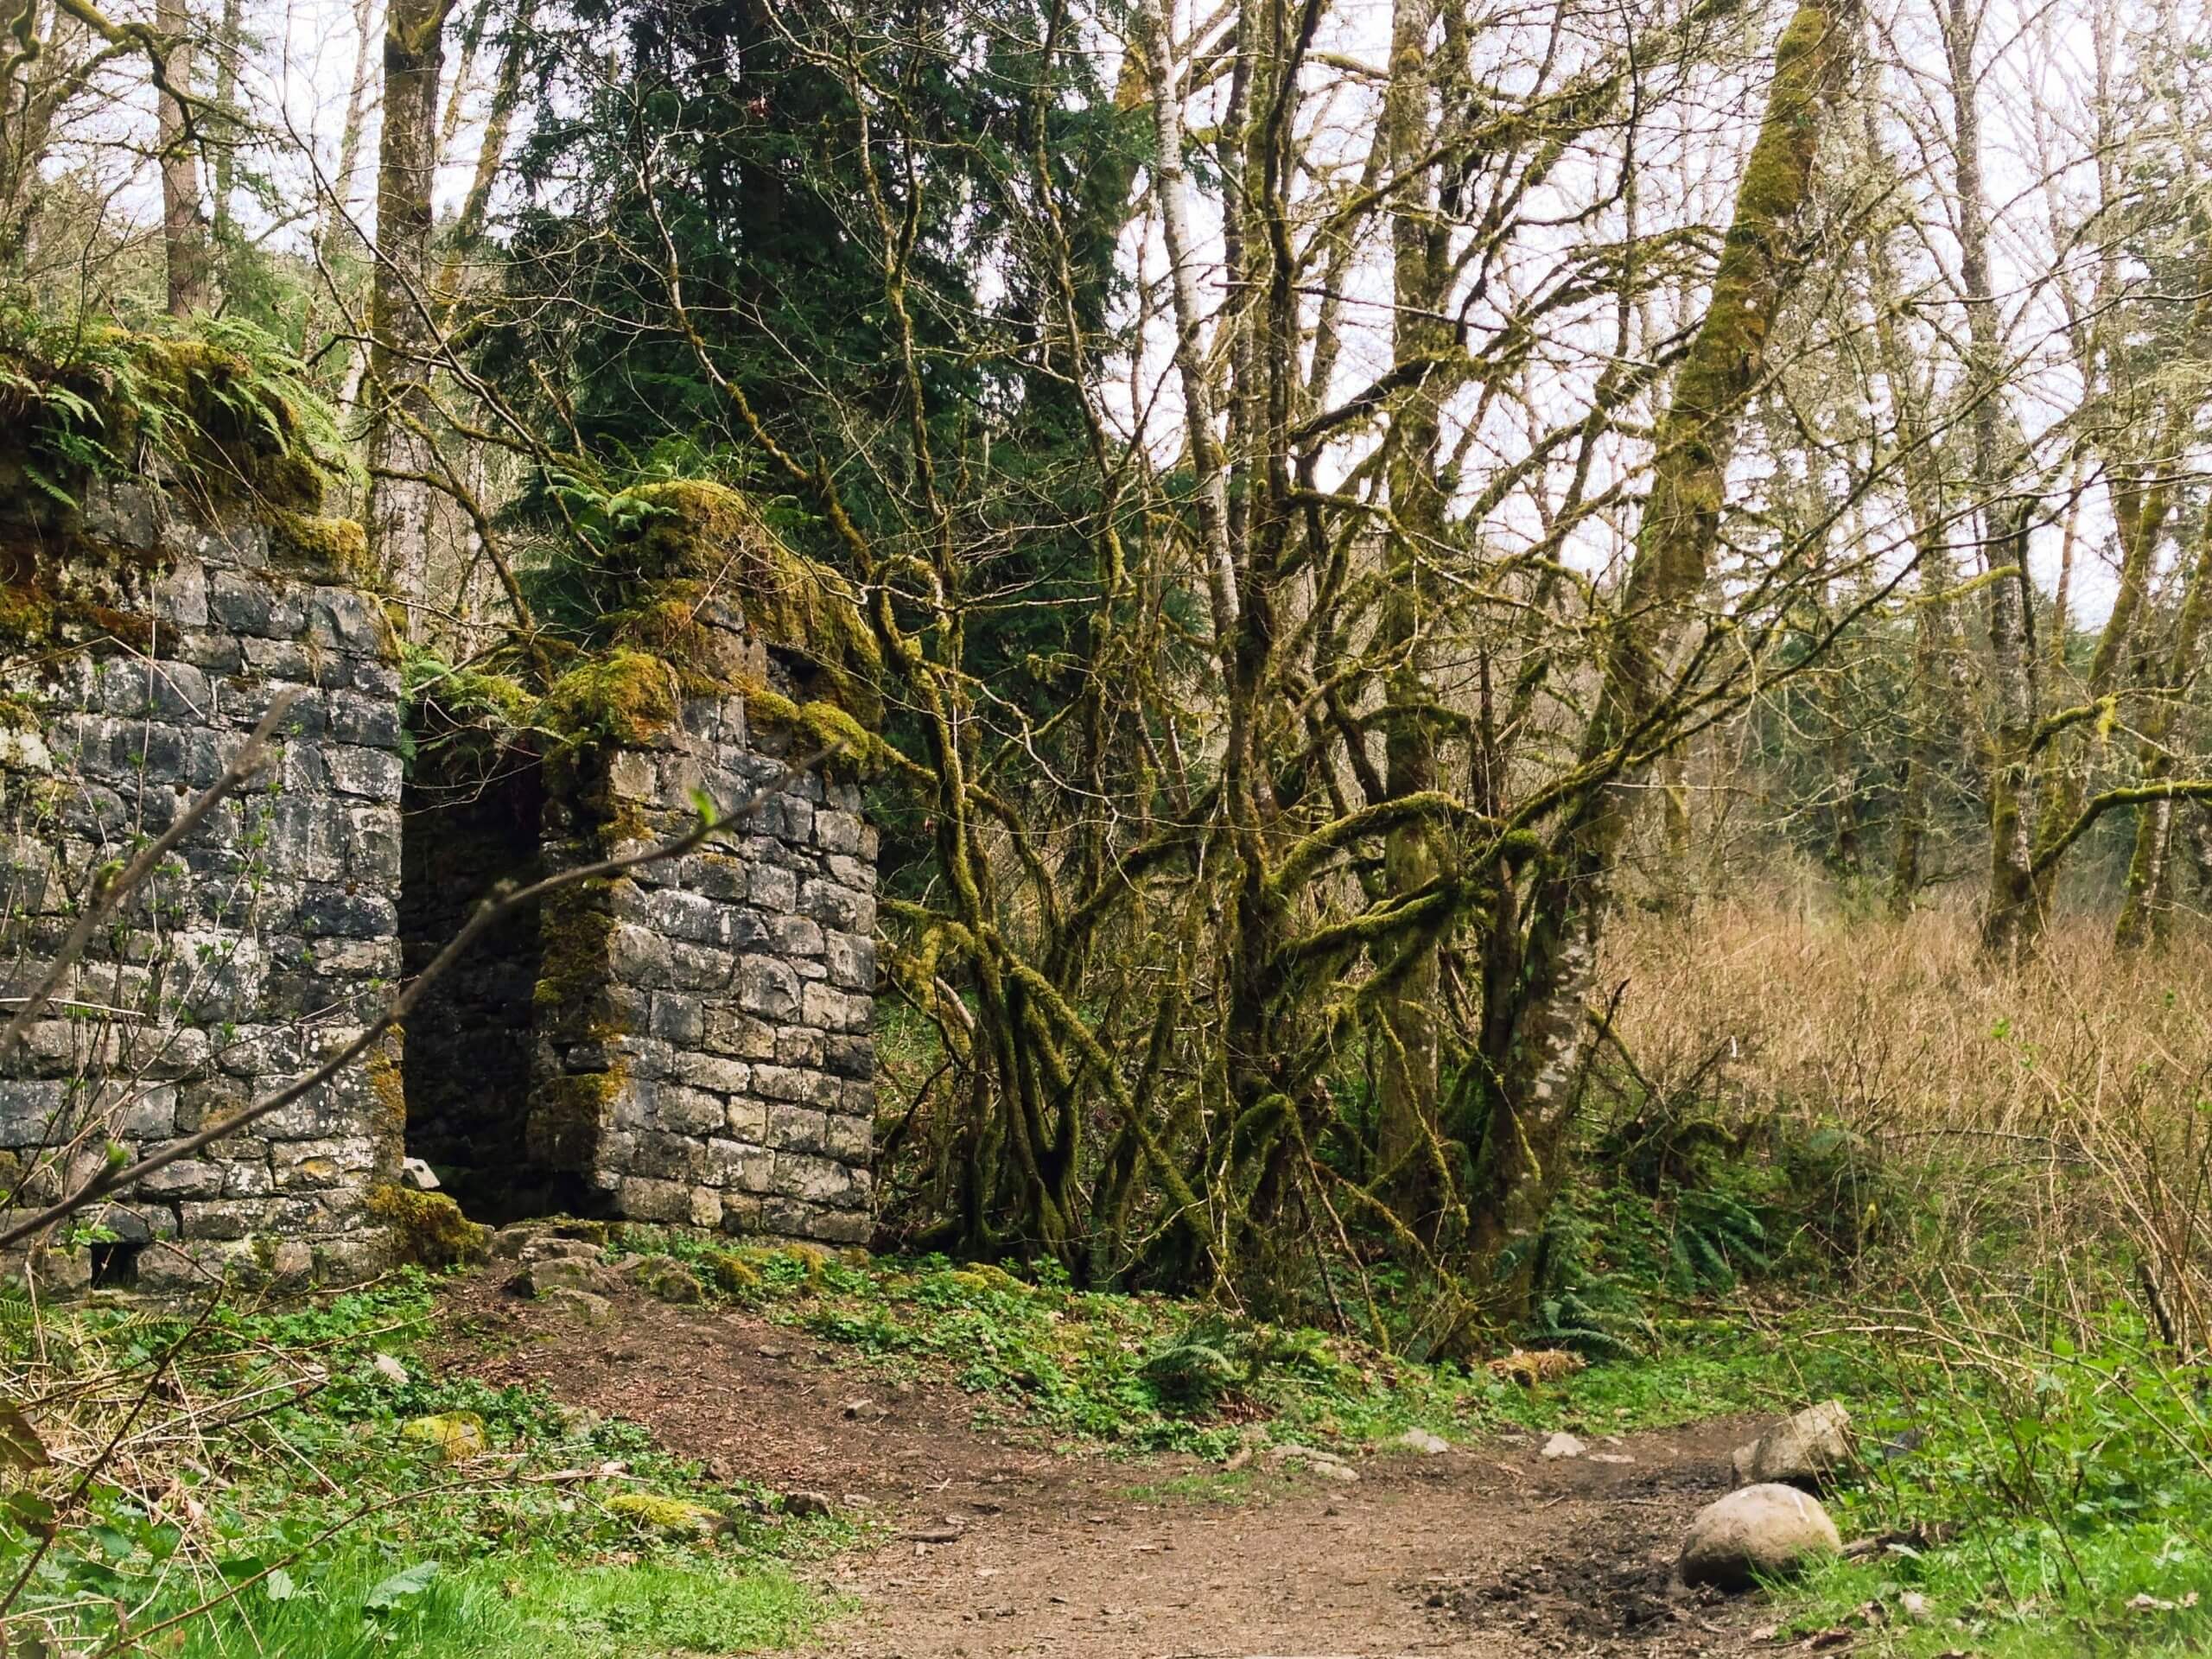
{"x": 2044, "y": 1137}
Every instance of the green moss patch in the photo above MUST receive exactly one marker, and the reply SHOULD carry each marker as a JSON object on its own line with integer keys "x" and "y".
{"x": 427, "y": 1230}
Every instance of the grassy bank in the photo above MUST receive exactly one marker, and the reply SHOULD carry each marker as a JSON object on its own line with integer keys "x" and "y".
{"x": 251, "y": 1482}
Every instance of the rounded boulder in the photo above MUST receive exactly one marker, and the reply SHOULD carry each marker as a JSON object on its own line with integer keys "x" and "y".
{"x": 1766, "y": 1531}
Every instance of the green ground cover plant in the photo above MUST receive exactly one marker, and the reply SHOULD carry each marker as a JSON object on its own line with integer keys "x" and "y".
{"x": 265, "y": 1488}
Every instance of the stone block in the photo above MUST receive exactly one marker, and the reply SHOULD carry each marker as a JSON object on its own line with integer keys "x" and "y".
{"x": 644, "y": 1199}
{"x": 188, "y": 1177}
{"x": 848, "y": 1139}
{"x": 706, "y": 1207}
{"x": 837, "y": 832}
{"x": 797, "y": 1128}
{"x": 749, "y": 1118}
{"x": 772, "y": 889}
{"x": 839, "y": 1226}
{"x": 811, "y": 1177}
{"x": 850, "y": 1055}
{"x": 686, "y": 1111}
{"x": 795, "y": 936}
{"x": 722, "y": 1075}
{"x": 362, "y": 772}
{"x": 33, "y": 1113}
{"x": 687, "y": 916}
{"x": 800, "y": 1045}
{"x": 767, "y": 986}
{"x": 830, "y": 1010}
{"x": 739, "y": 1166}
{"x": 833, "y": 905}
{"x": 676, "y": 1020}
{"x": 851, "y": 959}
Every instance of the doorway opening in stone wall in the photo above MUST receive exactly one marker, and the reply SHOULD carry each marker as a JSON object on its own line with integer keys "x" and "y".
{"x": 472, "y": 814}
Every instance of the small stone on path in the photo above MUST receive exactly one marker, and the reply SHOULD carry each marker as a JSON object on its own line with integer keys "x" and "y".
{"x": 1563, "y": 1445}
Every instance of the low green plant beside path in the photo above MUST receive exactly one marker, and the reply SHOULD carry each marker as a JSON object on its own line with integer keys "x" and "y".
{"x": 269, "y": 1491}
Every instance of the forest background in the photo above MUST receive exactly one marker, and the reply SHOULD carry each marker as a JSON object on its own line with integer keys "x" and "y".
{"x": 1536, "y": 663}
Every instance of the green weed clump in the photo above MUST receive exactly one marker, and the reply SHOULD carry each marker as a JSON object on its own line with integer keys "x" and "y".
{"x": 1142, "y": 1372}
{"x": 314, "y": 1515}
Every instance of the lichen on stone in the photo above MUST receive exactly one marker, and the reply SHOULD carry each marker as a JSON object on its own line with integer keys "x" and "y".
{"x": 677, "y": 1517}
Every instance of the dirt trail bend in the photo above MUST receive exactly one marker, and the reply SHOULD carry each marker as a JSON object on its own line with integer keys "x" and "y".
{"x": 998, "y": 1547}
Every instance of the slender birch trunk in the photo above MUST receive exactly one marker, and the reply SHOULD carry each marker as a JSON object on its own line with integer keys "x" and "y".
{"x": 403, "y": 340}
{"x": 184, "y": 224}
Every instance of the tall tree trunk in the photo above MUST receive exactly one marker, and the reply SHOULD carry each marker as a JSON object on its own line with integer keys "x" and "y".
{"x": 2142, "y": 916}
{"x": 228, "y": 41}
{"x": 34, "y": 96}
{"x": 1933, "y": 703}
{"x": 1407, "y": 1074}
{"x": 2008, "y": 911}
{"x": 491, "y": 155}
{"x": 184, "y": 225}
{"x": 402, "y": 337}
{"x": 1539, "y": 1063}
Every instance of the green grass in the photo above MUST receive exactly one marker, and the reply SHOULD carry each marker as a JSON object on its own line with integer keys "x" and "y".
{"x": 351, "y": 1537}
{"x": 2057, "y": 1504}
{"x": 359, "y": 1604}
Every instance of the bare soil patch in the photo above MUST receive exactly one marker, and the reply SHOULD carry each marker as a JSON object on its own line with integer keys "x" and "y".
{"x": 997, "y": 1543}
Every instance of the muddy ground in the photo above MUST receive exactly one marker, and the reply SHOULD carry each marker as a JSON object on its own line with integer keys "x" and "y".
{"x": 997, "y": 1544}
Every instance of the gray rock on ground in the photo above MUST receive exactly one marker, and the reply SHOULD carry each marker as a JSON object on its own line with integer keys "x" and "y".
{"x": 588, "y": 1307}
{"x": 1563, "y": 1445}
{"x": 1766, "y": 1531}
{"x": 1420, "y": 1440}
{"x": 1812, "y": 1449}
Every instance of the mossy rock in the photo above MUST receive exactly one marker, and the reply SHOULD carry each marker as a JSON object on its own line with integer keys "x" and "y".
{"x": 329, "y": 550}
{"x": 711, "y": 538}
{"x": 819, "y": 725}
{"x": 668, "y": 1281}
{"x": 673, "y": 1517}
{"x": 427, "y": 1228}
{"x": 623, "y": 697}
{"x": 456, "y": 1435}
{"x": 732, "y": 1273}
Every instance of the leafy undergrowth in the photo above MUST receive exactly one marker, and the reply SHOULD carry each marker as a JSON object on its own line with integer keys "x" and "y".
{"x": 265, "y": 1495}
{"x": 1150, "y": 1373}
{"x": 2026, "y": 1503}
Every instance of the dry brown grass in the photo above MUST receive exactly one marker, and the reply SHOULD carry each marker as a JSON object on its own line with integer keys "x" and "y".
{"x": 2040, "y": 1128}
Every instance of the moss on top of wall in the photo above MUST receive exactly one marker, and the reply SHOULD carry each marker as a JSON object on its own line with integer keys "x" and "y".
{"x": 215, "y": 410}
{"x": 688, "y": 542}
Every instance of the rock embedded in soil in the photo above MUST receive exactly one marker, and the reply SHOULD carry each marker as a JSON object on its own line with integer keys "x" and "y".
{"x": 1810, "y": 1450}
{"x": 586, "y": 1306}
{"x": 1420, "y": 1440}
{"x": 548, "y": 1273}
{"x": 1766, "y": 1531}
{"x": 1563, "y": 1445}
{"x": 1327, "y": 1464}
{"x": 457, "y": 1434}
{"x": 675, "y": 1517}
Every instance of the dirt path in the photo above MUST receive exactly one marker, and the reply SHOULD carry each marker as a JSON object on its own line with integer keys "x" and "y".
{"x": 998, "y": 1547}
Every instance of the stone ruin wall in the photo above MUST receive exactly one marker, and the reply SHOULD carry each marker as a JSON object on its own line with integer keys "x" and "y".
{"x": 695, "y": 1047}
{"x": 268, "y": 940}
{"x": 707, "y": 1061}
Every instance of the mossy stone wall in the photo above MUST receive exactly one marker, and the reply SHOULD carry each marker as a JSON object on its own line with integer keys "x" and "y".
{"x": 270, "y": 938}
{"x": 704, "y": 1050}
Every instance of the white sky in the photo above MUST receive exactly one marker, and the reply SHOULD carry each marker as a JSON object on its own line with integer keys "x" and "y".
{"x": 2040, "y": 64}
